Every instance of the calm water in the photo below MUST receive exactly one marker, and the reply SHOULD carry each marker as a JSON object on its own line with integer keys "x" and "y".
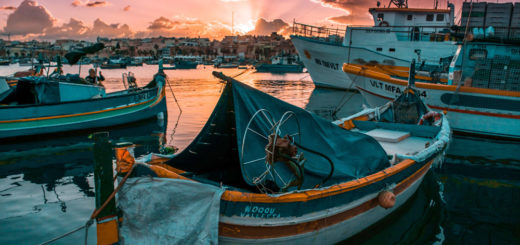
{"x": 46, "y": 183}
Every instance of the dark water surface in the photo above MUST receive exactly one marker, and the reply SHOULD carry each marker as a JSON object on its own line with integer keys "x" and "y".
{"x": 47, "y": 189}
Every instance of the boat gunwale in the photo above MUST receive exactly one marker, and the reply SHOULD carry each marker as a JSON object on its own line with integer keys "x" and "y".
{"x": 365, "y": 70}
{"x": 143, "y": 90}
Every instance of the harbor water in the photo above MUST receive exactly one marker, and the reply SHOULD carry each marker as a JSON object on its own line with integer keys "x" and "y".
{"x": 47, "y": 188}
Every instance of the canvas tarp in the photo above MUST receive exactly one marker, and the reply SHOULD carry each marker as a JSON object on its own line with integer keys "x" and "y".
{"x": 354, "y": 155}
{"x": 169, "y": 211}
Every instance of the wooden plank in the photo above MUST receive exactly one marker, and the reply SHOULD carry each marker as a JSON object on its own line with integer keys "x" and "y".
{"x": 386, "y": 135}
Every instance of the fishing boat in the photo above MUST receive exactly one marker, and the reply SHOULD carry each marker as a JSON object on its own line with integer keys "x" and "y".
{"x": 263, "y": 171}
{"x": 59, "y": 103}
{"x": 281, "y": 64}
{"x": 398, "y": 35}
{"x": 481, "y": 92}
{"x": 185, "y": 64}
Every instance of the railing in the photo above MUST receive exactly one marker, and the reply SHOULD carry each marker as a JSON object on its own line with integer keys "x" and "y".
{"x": 322, "y": 33}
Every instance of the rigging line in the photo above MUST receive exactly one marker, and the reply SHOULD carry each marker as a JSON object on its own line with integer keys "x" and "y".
{"x": 333, "y": 114}
{"x": 452, "y": 99}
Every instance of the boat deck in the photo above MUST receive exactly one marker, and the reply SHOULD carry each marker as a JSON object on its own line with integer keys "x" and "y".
{"x": 398, "y": 142}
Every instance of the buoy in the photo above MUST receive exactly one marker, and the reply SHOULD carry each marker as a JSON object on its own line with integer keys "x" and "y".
{"x": 386, "y": 199}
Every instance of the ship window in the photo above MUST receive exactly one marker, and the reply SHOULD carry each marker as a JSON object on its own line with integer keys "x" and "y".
{"x": 429, "y": 17}
{"x": 440, "y": 17}
{"x": 391, "y": 49}
{"x": 380, "y": 16}
{"x": 379, "y": 49}
{"x": 477, "y": 54}
{"x": 409, "y": 17}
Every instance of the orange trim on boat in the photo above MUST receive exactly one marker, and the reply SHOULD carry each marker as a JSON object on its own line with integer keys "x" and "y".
{"x": 237, "y": 196}
{"x": 491, "y": 114}
{"x": 75, "y": 115}
{"x": 368, "y": 72}
{"x": 264, "y": 232}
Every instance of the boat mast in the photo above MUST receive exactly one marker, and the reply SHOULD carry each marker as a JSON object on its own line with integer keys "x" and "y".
{"x": 399, "y": 3}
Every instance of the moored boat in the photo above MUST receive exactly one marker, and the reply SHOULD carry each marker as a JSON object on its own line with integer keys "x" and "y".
{"x": 281, "y": 64}
{"x": 481, "y": 94}
{"x": 264, "y": 171}
{"x": 399, "y": 34}
{"x": 42, "y": 105}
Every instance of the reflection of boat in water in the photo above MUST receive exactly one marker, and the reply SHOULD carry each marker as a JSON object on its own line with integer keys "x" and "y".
{"x": 40, "y": 105}
{"x": 481, "y": 96}
{"x": 288, "y": 175}
{"x": 36, "y": 152}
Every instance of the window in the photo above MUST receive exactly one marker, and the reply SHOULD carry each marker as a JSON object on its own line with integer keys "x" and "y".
{"x": 429, "y": 17}
{"x": 391, "y": 49}
{"x": 409, "y": 17}
{"x": 440, "y": 17}
{"x": 380, "y": 16}
{"x": 477, "y": 54}
{"x": 379, "y": 49}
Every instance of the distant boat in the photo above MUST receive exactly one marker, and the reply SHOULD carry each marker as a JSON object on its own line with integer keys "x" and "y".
{"x": 281, "y": 64}
{"x": 273, "y": 173}
{"x": 113, "y": 66}
{"x": 185, "y": 64}
{"x": 41, "y": 105}
{"x": 5, "y": 62}
{"x": 226, "y": 65}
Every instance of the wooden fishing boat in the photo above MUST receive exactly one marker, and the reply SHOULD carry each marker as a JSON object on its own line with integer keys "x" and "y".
{"x": 481, "y": 92}
{"x": 282, "y": 174}
{"x": 42, "y": 105}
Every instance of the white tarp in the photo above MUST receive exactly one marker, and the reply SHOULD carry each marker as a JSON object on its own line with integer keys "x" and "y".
{"x": 169, "y": 211}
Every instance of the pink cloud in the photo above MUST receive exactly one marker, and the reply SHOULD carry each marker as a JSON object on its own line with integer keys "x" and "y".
{"x": 29, "y": 18}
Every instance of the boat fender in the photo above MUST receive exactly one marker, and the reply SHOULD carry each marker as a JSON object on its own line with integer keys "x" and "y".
{"x": 386, "y": 199}
{"x": 384, "y": 24}
{"x": 429, "y": 116}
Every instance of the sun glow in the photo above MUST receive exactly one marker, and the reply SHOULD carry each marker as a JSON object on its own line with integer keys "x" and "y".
{"x": 243, "y": 28}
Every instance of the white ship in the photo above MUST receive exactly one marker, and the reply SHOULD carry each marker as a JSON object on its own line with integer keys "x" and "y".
{"x": 399, "y": 35}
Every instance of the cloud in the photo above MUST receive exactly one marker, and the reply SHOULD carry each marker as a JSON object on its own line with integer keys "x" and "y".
{"x": 356, "y": 10}
{"x": 87, "y": 3}
{"x": 127, "y": 8}
{"x": 97, "y": 4}
{"x": 185, "y": 26}
{"x": 264, "y": 27}
{"x": 29, "y": 18}
{"x": 7, "y": 8}
{"x": 163, "y": 23}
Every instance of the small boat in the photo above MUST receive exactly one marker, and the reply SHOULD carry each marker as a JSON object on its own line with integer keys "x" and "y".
{"x": 42, "y": 105}
{"x": 481, "y": 91}
{"x": 5, "y": 62}
{"x": 113, "y": 66}
{"x": 226, "y": 65}
{"x": 185, "y": 64}
{"x": 281, "y": 64}
{"x": 263, "y": 171}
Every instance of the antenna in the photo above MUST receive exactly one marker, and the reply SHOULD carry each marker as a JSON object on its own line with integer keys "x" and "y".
{"x": 399, "y": 3}
{"x": 232, "y": 23}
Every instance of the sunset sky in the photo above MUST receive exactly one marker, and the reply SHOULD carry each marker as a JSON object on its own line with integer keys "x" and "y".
{"x": 87, "y": 19}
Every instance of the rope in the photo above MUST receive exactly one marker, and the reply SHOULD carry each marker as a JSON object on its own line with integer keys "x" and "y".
{"x": 333, "y": 114}
{"x": 86, "y": 225}
{"x": 180, "y": 110}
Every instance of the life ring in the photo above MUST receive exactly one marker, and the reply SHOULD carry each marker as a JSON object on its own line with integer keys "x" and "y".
{"x": 430, "y": 115}
{"x": 384, "y": 24}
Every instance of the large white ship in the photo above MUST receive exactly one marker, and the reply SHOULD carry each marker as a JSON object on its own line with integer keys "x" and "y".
{"x": 399, "y": 35}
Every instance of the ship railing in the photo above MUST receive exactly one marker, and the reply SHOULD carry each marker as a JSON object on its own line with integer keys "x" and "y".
{"x": 406, "y": 33}
{"x": 334, "y": 35}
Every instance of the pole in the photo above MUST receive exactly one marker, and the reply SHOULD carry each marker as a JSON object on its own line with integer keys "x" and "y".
{"x": 107, "y": 232}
